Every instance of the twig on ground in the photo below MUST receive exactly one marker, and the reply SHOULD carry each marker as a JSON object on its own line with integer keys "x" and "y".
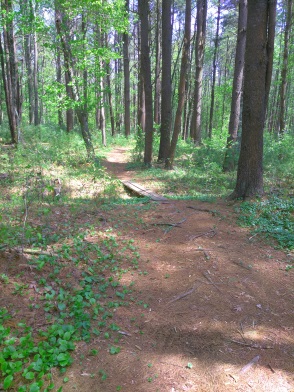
{"x": 172, "y": 364}
{"x": 201, "y": 209}
{"x": 211, "y": 233}
{"x": 124, "y": 333}
{"x": 242, "y": 265}
{"x": 205, "y": 274}
{"x": 250, "y": 364}
{"x": 251, "y": 345}
{"x": 177, "y": 224}
{"x": 271, "y": 369}
{"x": 186, "y": 293}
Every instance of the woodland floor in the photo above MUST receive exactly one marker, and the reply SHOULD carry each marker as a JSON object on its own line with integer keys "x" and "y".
{"x": 220, "y": 314}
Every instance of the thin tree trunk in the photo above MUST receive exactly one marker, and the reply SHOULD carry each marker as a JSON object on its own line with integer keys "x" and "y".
{"x": 195, "y": 129}
{"x": 59, "y": 81}
{"x": 181, "y": 89}
{"x": 283, "y": 88}
{"x": 126, "y": 62}
{"x": 237, "y": 87}
{"x": 28, "y": 63}
{"x": 214, "y": 72}
{"x": 68, "y": 62}
{"x": 36, "y": 94}
{"x": 146, "y": 74}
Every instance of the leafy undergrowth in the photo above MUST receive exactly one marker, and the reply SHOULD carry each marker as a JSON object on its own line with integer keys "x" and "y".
{"x": 74, "y": 310}
{"x": 48, "y": 218}
{"x": 70, "y": 286}
{"x": 273, "y": 218}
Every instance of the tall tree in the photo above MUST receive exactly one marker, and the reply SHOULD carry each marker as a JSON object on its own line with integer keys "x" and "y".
{"x": 237, "y": 87}
{"x": 258, "y": 62}
{"x": 195, "y": 128}
{"x": 166, "y": 86}
{"x": 283, "y": 88}
{"x": 157, "y": 84}
{"x": 181, "y": 87}
{"x": 10, "y": 73}
{"x": 216, "y": 41}
{"x": 82, "y": 114}
{"x": 145, "y": 68}
{"x": 126, "y": 62}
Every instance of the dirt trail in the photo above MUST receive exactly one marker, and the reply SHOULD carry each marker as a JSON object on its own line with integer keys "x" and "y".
{"x": 211, "y": 309}
{"x": 218, "y": 300}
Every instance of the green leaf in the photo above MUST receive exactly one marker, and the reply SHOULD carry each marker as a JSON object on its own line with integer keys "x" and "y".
{"x": 189, "y": 365}
{"x": 61, "y": 306}
{"x": 114, "y": 350}
{"x": 7, "y": 381}
{"x": 34, "y": 388}
{"x": 29, "y": 375}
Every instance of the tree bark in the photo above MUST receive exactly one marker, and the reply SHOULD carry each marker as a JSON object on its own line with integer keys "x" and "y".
{"x": 181, "y": 89}
{"x": 237, "y": 88}
{"x": 195, "y": 128}
{"x": 250, "y": 167}
{"x": 157, "y": 83}
{"x": 146, "y": 76}
{"x": 166, "y": 87}
{"x": 214, "y": 71}
{"x": 126, "y": 62}
{"x": 10, "y": 72}
{"x": 74, "y": 88}
{"x": 283, "y": 88}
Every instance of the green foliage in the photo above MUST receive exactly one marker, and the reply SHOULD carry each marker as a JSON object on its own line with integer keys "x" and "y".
{"x": 273, "y": 218}
{"x": 29, "y": 359}
{"x": 27, "y": 212}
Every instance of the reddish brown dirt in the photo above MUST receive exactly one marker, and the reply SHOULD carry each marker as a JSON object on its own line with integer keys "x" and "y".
{"x": 218, "y": 299}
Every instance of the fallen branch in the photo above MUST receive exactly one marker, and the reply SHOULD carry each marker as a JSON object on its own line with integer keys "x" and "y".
{"x": 242, "y": 265}
{"x": 205, "y": 274}
{"x": 211, "y": 233}
{"x": 35, "y": 252}
{"x": 201, "y": 209}
{"x": 186, "y": 293}
{"x": 177, "y": 224}
{"x": 251, "y": 345}
{"x": 171, "y": 364}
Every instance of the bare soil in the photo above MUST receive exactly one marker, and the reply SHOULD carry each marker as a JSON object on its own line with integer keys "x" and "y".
{"x": 220, "y": 314}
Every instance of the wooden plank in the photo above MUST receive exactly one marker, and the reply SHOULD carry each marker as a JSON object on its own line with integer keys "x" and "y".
{"x": 139, "y": 190}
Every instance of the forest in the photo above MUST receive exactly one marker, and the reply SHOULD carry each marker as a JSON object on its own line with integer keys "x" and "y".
{"x": 187, "y": 286}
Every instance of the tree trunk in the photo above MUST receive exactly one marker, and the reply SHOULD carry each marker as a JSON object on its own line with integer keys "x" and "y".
{"x": 72, "y": 83}
{"x": 166, "y": 87}
{"x": 145, "y": 69}
{"x": 237, "y": 88}
{"x": 28, "y": 63}
{"x": 157, "y": 84}
{"x": 181, "y": 88}
{"x": 195, "y": 129}
{"x": 283, "y": 88}
{"x": 59, "y": 81}
{"x": 127, "y": 98}
{"x": 250, "y": 168}
{"x": 214, "y": 72}
{"x": 36, "y": 93}
{"x": 10, "y": 72}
